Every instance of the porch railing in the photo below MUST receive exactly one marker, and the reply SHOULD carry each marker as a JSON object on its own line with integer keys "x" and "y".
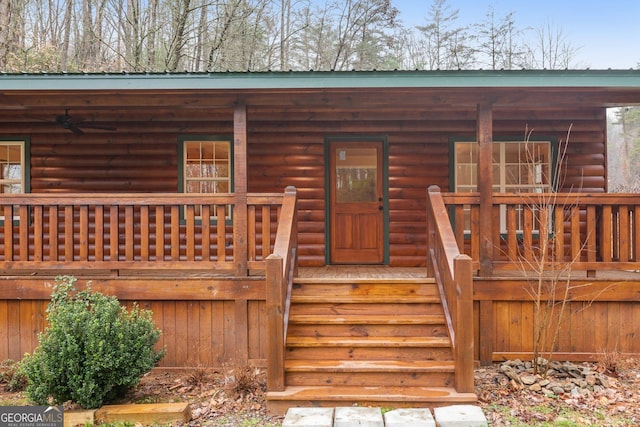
{"x": 589, "y": 231}
{"x": 453, "y": 273}
{"x": 281, "y": 269}
{"x": 135, "y": 231}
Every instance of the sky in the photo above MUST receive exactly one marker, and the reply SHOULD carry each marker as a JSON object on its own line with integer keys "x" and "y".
{"x": 606, "y": 32}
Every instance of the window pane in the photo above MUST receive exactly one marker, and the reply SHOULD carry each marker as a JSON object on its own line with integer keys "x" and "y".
{"x": 512, "y": 153}
{"x": 466, "y": 152}
{"x": 356, "y": 175}
{"x": 467, "y": 174}
{"x": 11, "y": 167}
{"x": 511, "y": 174}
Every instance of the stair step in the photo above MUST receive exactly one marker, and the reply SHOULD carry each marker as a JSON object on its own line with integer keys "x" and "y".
{"x": 394, "y": 342}
{"x": 366, "y": 319}
{"x": 332, "y": 290}
{"x": 377, "y": 299}
{"x": 364, "y": 280}
{"x": 391, "y": 366}
{"x": 332, "y": 396}
{"x": 369, "y": 353}
{"x": 328, "y": 308}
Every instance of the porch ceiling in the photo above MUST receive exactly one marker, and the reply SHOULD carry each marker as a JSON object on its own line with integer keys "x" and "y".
{"x": 31, "y": 103}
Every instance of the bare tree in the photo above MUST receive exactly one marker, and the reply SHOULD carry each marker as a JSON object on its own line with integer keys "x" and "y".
{"x": 498, "y": 41}
{"x": 447, "y": 44}
{"x": 550, "y": 49}
{"x": 180, "y": 11}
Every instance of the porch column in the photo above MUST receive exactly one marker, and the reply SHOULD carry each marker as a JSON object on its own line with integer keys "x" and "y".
{"x": 240, "y": 189}
{"x": 484, "y": 133}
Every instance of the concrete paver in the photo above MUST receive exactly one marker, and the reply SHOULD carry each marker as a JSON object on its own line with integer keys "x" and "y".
{"x": 308, "y": 417}
{"x": 358, "y": 416}
{"x": 414, "y": 417}
{"x": 460, "y": 416}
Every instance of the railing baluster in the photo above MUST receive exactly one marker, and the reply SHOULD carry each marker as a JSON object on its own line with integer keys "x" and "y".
{"x": 206, "y": 232}
{"x": 636, "y": 233}
{"x": 266, "y": 231}
{"x": 68, "y": 233}
{"x": 221, "y": 233}
{"x": 54, "y": 226}
{"x": 175, "y": 233}
{"x": 38, "y": 233}
{"x": 144, "y": 233}
{"x": 190, "y": 232}
{"x": 159, "y": 233}
{"x": 8, "y": 232}
{"x": 512, "y": 235}
{"x": 623, "y": 234}
{"x": 83, "y": 238}
{"x": 99, "y": 232}
{"x": 592, "y": 234}
{"x": 606, "y": 251}
{"x": 114, "y": 233}
{"x": 251, "y": 232}
{"x": 128, "y": 233}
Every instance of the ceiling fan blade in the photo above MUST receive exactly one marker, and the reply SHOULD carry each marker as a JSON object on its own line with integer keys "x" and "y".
{"x": 96, "y": 126}
{"x": 75, "y": 129}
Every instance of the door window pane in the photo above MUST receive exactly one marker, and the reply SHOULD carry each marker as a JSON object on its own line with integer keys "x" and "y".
{"x": 356, "y": 175}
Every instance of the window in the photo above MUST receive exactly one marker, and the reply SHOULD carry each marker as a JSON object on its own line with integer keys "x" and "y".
{"x": 12, "y": 167}
{"x": 518, "y": 167}
{"x": 206, "y": 167}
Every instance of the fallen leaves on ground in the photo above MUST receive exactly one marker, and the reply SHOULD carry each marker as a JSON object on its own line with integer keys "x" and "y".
{"x": 576, "y": 394}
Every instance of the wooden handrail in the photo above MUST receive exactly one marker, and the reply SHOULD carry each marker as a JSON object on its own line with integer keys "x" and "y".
{"x": 589, "y": 231}
{"x": 134, "y": 231}
{"x": 281, "y": 267}
{"x": 453, "y": 274}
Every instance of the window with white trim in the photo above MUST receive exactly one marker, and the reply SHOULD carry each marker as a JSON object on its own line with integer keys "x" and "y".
{"x": 518, "y": 167}
{"x": 207, "y": 167}
{"x": 12, "y": 167}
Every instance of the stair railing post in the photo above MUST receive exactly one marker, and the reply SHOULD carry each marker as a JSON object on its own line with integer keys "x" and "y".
{"x": 464, "y": 324}
{"x": 275, "y": 291}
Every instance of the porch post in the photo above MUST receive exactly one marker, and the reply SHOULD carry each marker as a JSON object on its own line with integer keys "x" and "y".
{"x": 240, "y": 189}
{"x": 484, "y": 133}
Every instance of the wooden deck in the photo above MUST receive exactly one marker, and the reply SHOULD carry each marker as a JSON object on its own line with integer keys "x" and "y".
{"x": 386, "y": 272}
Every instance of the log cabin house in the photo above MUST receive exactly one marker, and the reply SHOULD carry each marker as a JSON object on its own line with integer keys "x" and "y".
{"x": 365, "y": 236}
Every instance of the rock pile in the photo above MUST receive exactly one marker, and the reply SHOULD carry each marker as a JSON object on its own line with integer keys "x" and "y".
{"x": 561, "y": 378}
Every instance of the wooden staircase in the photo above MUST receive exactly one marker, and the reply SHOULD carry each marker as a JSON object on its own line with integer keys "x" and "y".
{"x": 380, "y": 342}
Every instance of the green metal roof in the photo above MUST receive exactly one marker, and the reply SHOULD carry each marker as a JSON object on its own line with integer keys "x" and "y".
{"x": 322, "y": 80}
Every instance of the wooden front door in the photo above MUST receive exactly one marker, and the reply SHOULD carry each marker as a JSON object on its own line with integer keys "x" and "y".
{"x": 356, "y": 202}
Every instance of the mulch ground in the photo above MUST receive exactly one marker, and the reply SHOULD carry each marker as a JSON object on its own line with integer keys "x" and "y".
{"x": 509, "y": 397}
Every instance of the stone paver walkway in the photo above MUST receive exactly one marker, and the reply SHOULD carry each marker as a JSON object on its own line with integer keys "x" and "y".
{"x": 447, "y": 416}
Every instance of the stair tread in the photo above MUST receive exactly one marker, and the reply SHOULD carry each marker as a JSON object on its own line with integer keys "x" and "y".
{"x": 408, "y": 299}
{"x": 297, "y": 341}
{"x": 371, "y": 319}
{"x": 380, "y": 394}
{"x": 387, "y": 366}
{"x": 357, "y": 280}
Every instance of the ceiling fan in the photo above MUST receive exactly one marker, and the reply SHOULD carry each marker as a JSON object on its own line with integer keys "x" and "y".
{"x": 67, "y": 122}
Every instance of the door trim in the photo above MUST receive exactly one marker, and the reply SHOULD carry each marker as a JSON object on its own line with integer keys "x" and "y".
{"x": 385, "y": 190}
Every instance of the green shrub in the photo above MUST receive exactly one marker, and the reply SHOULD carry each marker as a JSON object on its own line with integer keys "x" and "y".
{"x": 93, "y": 350}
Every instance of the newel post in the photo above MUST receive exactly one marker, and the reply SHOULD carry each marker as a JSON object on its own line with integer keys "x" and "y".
{"x": 432, "y": 191}
{"x": 464, "y": 323}
{"x": 275, "y": 322}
